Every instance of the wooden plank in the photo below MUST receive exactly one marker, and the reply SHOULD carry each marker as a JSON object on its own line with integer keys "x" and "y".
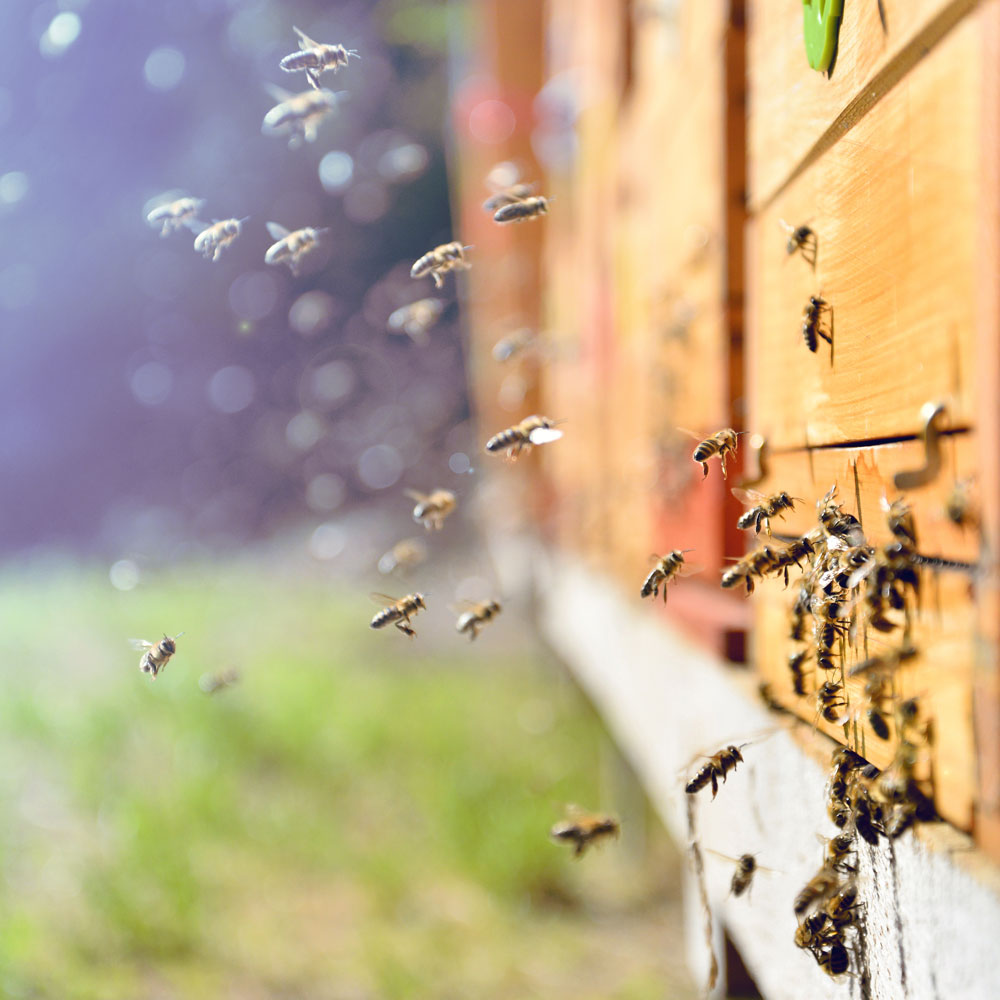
{"x": 895, "y": 206}
{"x": 944, "y": 632}
{"x": 793, "y": 108}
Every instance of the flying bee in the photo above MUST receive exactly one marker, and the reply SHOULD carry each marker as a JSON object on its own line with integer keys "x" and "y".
{"x": 519, "y": 211}
{"x": 212, "y": 241}
{"x": 753, "y": 565}
{"x": 398, "y": 611}
{"x": 513, "y": 344}
{"x": 813, "y": 326}
{"x": 439, "y": 261}
{"x": 817, "y": 889}
{"x": 213, "y": 683}
{"x": 762, "y": 508}
{"x": 472, "y": 620}
{"x": 791, "y": 555}
{"x": 177, "y": 214}
{"x": 403, "y": 556}
{"x": 530, "y": 431}
{"x": 315, "y": 59}
{"x": 291, "y": 247}
{"x": 582, "y": 829}
{"x": 883, "y": 663}
{"x": 299, "y": 115}
{"x": 668, "y": 567}
{"x": 432, "y": 508}
{"x": 156, "y": 655}
{"x": 746, "y": 868}
{"x": 508, "y": 196}
{"x": 717, "y": 767}
{"x": 720, "y": 444}
{"x": 803, "y": 239}
{"x": 416, "y": 319}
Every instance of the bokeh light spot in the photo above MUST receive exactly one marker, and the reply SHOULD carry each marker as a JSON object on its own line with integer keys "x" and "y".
{"x": 311, "y": 313}
{"x": 151, "y": 383}
{"x": 253, "y": 295}
{"x": 333, "y": 381}
{"x": 164, "y": 68}
{"x": 403, "y": 162}
{"x": 14, "y": 187}
{"x": 335, "y": 171}
{"x": 62, "y": 32}
{"x": 327, "y": 541}
{"x": 325, "y": 492}
{"x": 366, "y": 202}
{"x": 231, "y": 389}
{"x": 124, "y": 575}
{"x": 491, "y": 122}
{"x": 380, "y": 466}
{"x": 304, "y": 430}
{"x": 459, "y": 463}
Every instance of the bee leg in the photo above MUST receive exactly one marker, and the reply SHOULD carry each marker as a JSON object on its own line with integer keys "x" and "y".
{"x": 438, "y": 280}
{"x": 715, "y": 784}
{"x": 704, "y": 466}
{"x": 313, "y": 79}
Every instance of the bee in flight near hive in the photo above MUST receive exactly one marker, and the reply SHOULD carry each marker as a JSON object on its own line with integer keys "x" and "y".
{"x": 439, "y": 261}
{"x": 802, "y": 239}
{"x": 291, "y": 247}
{"x": 813, "y": 325}
{"x": 525, "y": 208}
{"x": 762, "y": 508}
{"x": 177, "y": 214}
{"x": 718, "y": 766}
{"x": 156, "y": 655}
{"x": 213, "y": 683}
{"x": 299, "y": 115}
{"x": 581, "y": 829}
{"x": 505, "y": 181}
{"x": 403, "y": 556}
{"x": 667, "y": 568}
{"x": 398, "y": 611}
{"x": 212, "y": 241}
{"x": 476, "y": 616}
{"x": 416, "y": 319}
{"x": 508, "y": 196}
{"x": 530, "y": 431}
{"x": 315, "y": 59}
{"x": 719, "y": 445}
{"x": 746, "y": 868}
{"x": 432, "y": 508}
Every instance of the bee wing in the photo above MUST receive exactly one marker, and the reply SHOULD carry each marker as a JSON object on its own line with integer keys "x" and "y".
{"x": 748, "y": 497}
{"x": 277, "y": 231}
{"x": 690, "y": 569}
{"x": 383, "y": 599}
{"x": 304, "y": 40}
{"x": 141, "y": 644}
{"x": 725, "y": 857}
{"x": 543, "y": 435}
{"x": 691, "y": 434}
{"x": 417, "y": 495}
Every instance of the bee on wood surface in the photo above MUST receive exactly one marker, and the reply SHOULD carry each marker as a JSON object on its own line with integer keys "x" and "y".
{"x": 315, "y": 59}
{"x": 762, "y": 508}
{"x": 508, "y": 196}
{"x": 841, "y": 906}
{"x": 525, "y": 208}
{"x": 299, "y": 115}
{"x": 416, "y": 319}
{"x": 403, "y": 556}
{"x": 834, "y": 961}
{"x": 901, "y": 521}
{"x": 795, "y": 664}
{"x": 866, "y": 814}
{"x": 838, "y": 849}
{"x": 439, "y": 261}
{"x": 797, "y": 618}
{"x": 828, "y": 700}
{"x": 212, "y": 241}
{"x": 837, "y": 523}
{"x": 719, "y": 445}
{"x": 717, "y": 767}
{"x": 291, "y": 247}
{"x": 532, "y": 430}
{"x": 582, "y": 829}
{"x": 803, "y": 239}
{"x": 156, "y": 655}
{"x": 213, "y": 683}
{"x": 667, "y": 568}
{"x": 176, "y": 215}
{"x": 813, "y": 326}
{"x": 398, "y": 611}
{"x": 477, "y": 615}
{"x": 432, "y": 508}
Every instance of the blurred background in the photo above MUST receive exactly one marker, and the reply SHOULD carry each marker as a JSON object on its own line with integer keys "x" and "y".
{"x": 222, "y": 448}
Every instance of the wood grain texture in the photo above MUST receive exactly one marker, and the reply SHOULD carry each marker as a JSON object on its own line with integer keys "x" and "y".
{"x": 895, "y": 207}
{"x": 792, "y": 108}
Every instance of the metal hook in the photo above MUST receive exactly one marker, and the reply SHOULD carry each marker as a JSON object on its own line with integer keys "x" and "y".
{"x": 931, "y": 436}
{"x": 758, "y": 445}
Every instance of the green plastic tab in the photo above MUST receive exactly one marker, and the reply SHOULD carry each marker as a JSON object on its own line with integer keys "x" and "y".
{"x": 821, "y": 28}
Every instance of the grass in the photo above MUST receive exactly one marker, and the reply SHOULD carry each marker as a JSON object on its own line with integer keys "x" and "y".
{"x": 360, "y": 816}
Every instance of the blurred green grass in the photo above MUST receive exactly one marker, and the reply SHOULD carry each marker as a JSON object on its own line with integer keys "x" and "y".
{"x": 361, "y": 816}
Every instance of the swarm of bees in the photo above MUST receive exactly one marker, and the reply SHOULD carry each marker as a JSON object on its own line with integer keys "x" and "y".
{"x": 581, "y": 829}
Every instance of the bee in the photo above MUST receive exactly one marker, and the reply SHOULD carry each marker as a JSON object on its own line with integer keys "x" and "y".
{"x": 838, "y": 849}
{"x": 299, "y": 115}
{"x": 315, "y": 59}
{"x": 840, "y": 907}
{"x": 834, "y": 961}
{"x": 416, "y": 319}
{"x": 812, "y": 322}
{"x": 828, "y": 700}
{"x": 884, "y": 663}
{"x": 403, "y": 556}
{"x": 720, "y": 444}
{"x": 212, "y": 683}
{"x": 177, "y": 214}
{"x": 762, "y": 508}
{"x": 843, "y": 526}
{"x": 156, "y": 655}
{"x": 795, "y": 663}
{"x": 667, "y": 568}
{"x": 398, "y": 611}
{"x": 959, "y": 508}
{"x": 803, "y": 239}
{"x": 476, "y": 617}
{"x": 507, "y": 347}
{"x": 508, "y": 196}
{"x": 818, "y": 888}
{"x": 743, "y": 876}
{"x": 717, "y": 767}
{"x": 792, "y": 554}
{"x": 901, "y": 522}
{"x": 525, "y": 208}
{"x": 442, "y": 259}
{"x": 212, "y": 241}
{"x": 582, "y": 829}
{"x": 432, "y": 508}
{"x": 797, "y": 622}
{"x": 866, "y": 815}
{"x": 813, "y": 932}
{"x": 291, "y": 247}
{"x": 530, "y": 431}
{"x": 753, "y": 564}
